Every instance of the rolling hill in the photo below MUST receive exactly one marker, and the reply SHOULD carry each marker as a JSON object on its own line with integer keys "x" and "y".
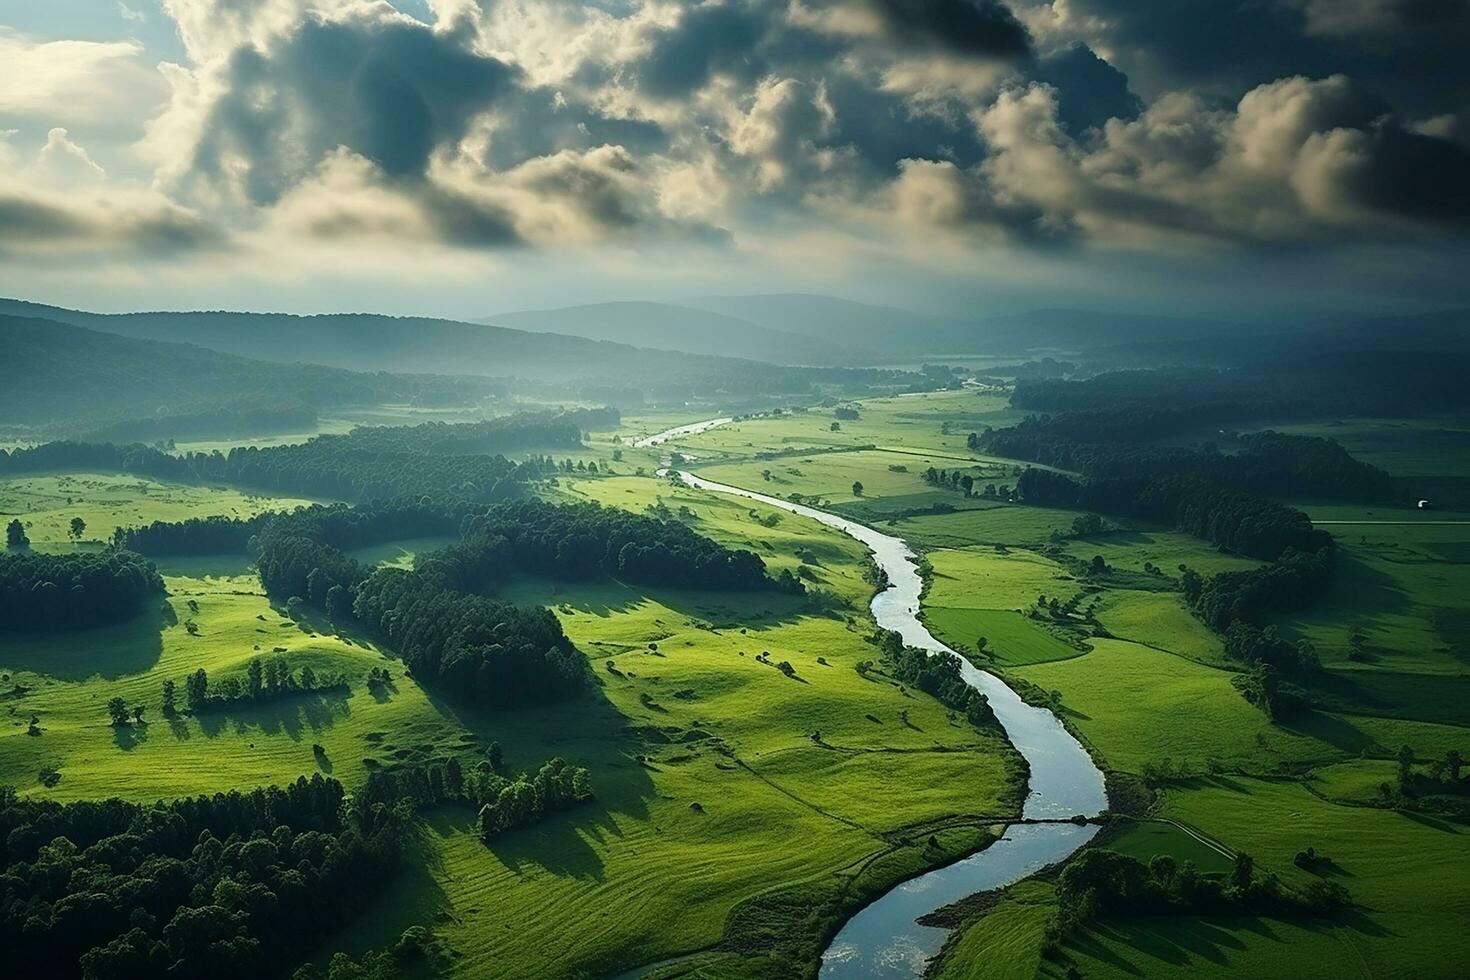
{"x": 684, "y": 328}
{"x": 64, "y": 380}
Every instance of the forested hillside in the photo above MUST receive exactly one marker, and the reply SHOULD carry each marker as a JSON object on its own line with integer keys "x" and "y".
{"x": 66, "y": 380}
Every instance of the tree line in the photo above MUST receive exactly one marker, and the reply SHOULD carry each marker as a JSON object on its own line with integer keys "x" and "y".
{"x": 1326, "y": 383}
{"x": 73, "y": 591}
{"x": 583, "y": 541}
{"x": 1231, "y": 519}
{"x": 266, "y": 679}
{"x": 234, "y": 885}
{"x": 1105, "y": 446}
{"x": 1100, "y": 882}
{"x": 501, "y": 804}
{"x": 936, "y": 673}
{"x": 367, "y": 463}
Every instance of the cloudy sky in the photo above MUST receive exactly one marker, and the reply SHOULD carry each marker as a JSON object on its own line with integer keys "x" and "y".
{"x": 466, "y": 156}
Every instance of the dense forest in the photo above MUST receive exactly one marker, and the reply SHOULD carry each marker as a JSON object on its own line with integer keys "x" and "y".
{"x": 483, "y": 650}
{"x": 1320, "y": 383}
{"x": 236, "y": 885}
{"x": 1230, "y": 519}
{"x": 580, "y": 541}
{"x": 1103, "y": 446}
{"x": 64, "y": 380}
{"x": 446, "y": 461}
{"x": 73, "y": 591}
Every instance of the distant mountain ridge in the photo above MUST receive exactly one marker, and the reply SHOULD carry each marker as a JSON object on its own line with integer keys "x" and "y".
{"x": 62, "y": 379}
{"x": 369, "y": 341}
{"x": 668, "y": 326}
{"x": 899, "y": 331}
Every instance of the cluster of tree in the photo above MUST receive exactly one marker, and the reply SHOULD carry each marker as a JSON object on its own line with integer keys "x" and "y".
{"x": 1100, "y": 882}
{"x": 1328, "y": 382}
{"x": 964, "y": 482}
{"x": 237, "y": 885}
{"x": 265, "y": 679}
{"x": 1227, "y": 518}
{"x": 484, "y": 650}
{"x": 502, "y": 804}
{"x": 73, "y": 591}
{"x": 937, "y": 674}
{"x": 1293, "y": 581}
{"x": 581, "y": 541}
{"x": 339, "y": 525}
{"x": 527, "y": 799}
{"x": 296, "y": 566}
{"x": 245, "y": 418}
{"x": 1110, "y": 445}
{"x": 365, "y": 464}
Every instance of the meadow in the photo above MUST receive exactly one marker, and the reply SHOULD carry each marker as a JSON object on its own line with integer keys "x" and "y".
{"x": 47, "y": 504}
{"x": 1151, "y": 690}
{"x": 707, "y": 761}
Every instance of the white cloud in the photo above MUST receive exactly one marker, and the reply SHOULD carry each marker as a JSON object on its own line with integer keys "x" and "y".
{"x": 74, "y": 81}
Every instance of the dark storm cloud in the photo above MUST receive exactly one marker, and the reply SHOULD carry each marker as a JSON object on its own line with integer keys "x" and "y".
{"x": 1411, "y": 50}
{"x": 31, "y": 222}
{"x": 982, "y": 28}
{"x": 1408, "y": 175}
{"x": 707, "y": 39}
{"x": 392, "y": 91}
{"x": 1089, "y": 90}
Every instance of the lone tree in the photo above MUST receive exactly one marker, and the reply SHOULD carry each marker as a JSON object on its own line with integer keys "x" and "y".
{"x": 117, "y": 709}
{"x": 15, "y": 535}
{"x": 857, "y": 488}
{"x": 78, "y": 528}
{"x": 170, "y": 702}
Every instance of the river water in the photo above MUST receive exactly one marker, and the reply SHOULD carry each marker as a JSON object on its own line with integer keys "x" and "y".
{"x": 693, "y": 429}
{"x": 883, "y": 940}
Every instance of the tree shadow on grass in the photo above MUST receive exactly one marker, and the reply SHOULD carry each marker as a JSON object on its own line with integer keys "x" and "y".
{"x": 1335, "y": 731}
{"x": 554, "y": 845}
{"x": 588, "y": 731}
{"x": 108, "y": 652}
{"x": 292, "y": 716}
{"x": 130, "y": 736}
{"x": 1432, "y": 822}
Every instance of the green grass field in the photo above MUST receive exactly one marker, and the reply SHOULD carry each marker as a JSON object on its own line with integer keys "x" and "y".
{"x": 47, "y": 504}
{"x": 1400, "y": 870}
{"x": 706, "y": 763}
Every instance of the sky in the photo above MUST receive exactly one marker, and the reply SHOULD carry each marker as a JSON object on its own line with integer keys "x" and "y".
{"x": 463, "y": 157}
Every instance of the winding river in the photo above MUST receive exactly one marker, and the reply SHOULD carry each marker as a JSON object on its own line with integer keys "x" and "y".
{"x": 693, "y": 429}
{"x": 883, "y": 940}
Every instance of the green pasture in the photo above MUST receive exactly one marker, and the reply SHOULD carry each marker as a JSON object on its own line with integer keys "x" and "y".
{"x": 707, "y": 760}
{"x": 69, "y": 678}
{"x": 47, "y": 504}
{"x": 1005, "y": 943}
{"x": 1146, "y": 839}
{"x": 1138, "y": 705}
